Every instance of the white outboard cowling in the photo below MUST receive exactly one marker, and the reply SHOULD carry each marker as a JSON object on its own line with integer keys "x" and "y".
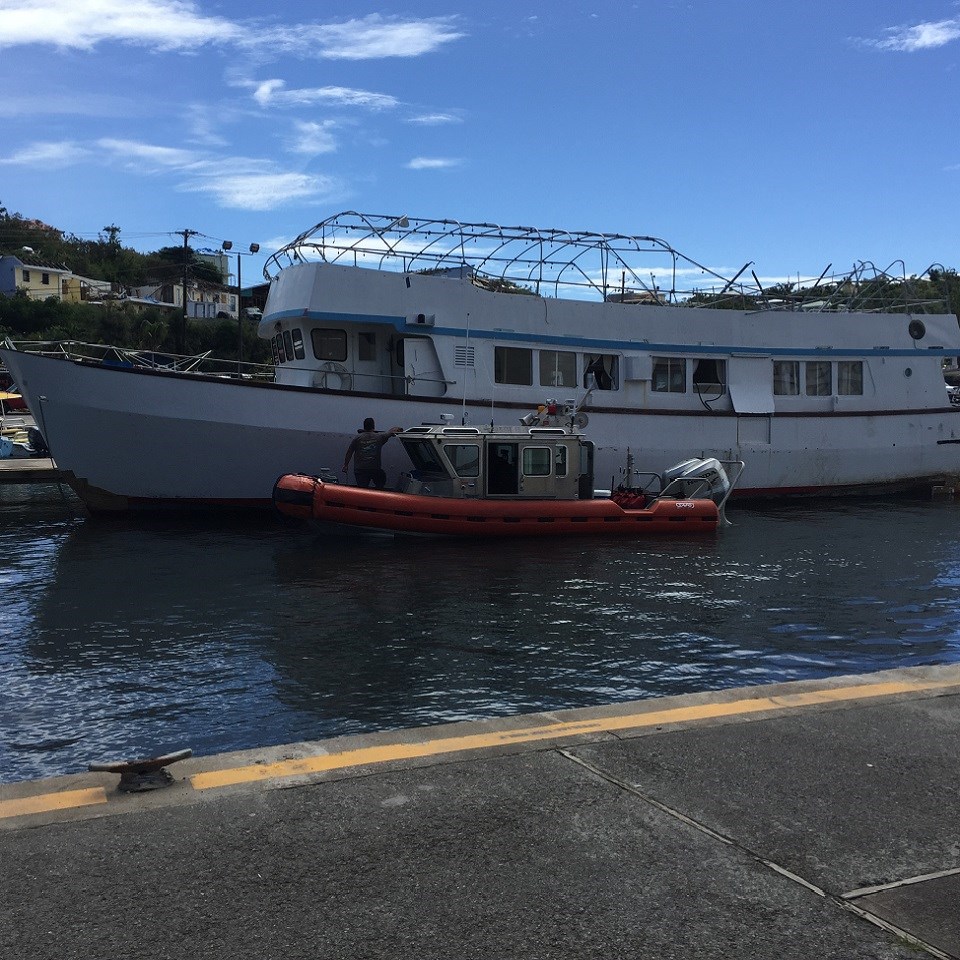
{"x": 696, "y": 479}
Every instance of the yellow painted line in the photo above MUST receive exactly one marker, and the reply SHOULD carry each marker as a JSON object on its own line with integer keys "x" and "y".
{"x": 47, "y": 802}
{"x": 550, "y": 731}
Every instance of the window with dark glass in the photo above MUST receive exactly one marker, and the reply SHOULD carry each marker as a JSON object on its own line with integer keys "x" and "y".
{"x": 329, "y": 344}
{"x": 850, "y": 377}
{"x": 45, "y": 279}
{"x": 558, "y": 368}
{"x": 276, "y": 352}
{"x": 298, "y": 351}
{"x": 464, "y": 457}
{"x": 366, "y": 346}
{"x": 818, "y": 380}
{"x": 709, "y": 375}
{"x": 281, "y": 351}
{"x": 513, "y": 365}
{"x": 423, "y": 456}
{"x": 601, "y": 371}
{"x": 288, "y": 344}
{"x": 26, "y": 276}
{"x": 560, "y": 461}
{"x": 786, "y": 378}
{"x": 536, "y": 461}
{"x": 669, "y": 375}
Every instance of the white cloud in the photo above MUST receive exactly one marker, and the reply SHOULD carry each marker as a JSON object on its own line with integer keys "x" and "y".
{"x": 313, "y": 138}
{"x": 181, "y": 25}
{"x": 140, "y": 153}
{"x": 264, "y": 190}
{"x": 921, "y": 36}
{"x": 274, "y": 92}
{"x": 82, "y": 24}
{"x": 368, "y": 38}
{"x": 435, "y": 119}
{"x": 432, "y": 163}
{"x": 48, "y": 155}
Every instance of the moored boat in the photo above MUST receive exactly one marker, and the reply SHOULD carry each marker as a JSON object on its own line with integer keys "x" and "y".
{"x": 510, "y": 482}
{"x": 829, "y": 388}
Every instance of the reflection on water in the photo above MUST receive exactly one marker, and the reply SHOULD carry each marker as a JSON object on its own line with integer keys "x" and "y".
{"x": 122, "y": 639}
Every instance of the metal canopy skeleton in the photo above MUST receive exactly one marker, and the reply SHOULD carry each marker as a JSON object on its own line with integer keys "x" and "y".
{"x": 586, "y": 265}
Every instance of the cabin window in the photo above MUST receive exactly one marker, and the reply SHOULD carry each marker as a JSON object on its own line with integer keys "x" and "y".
{"x": 669, "y": 375}
{"x": 560, "y": 461}
{"x": 558, "y": 368}
{"x": 366, "y": 346}
{"x": 329, "y": 344}
{"x": 26, "y": 276}
{"x": 709, "y": 375}
{"x": 536, "y": 461}
{"x": 818, "y": 378}
{"x": 288, "y": 344}
{"x": 850, "y": 378}
{"x": 298, "y": 351}
{"x": 281, "y": 351}
{"x": 513, "y": 365}
{"x": 464, "y": 457}
{"x": 786, "y": 378}
{"x": 276, "y": 352}
{"x": 601, "y": 370}
{"x": 423, "y": 456}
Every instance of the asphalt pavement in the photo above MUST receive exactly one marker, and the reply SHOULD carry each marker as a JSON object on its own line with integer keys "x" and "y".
{"x": 818, "y": 819}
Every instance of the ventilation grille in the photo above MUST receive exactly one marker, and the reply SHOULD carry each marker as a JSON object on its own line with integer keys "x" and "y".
{"x": 463, "y": 356}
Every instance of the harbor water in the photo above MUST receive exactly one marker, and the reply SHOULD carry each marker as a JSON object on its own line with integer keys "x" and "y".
{"x": 125, "y": 639}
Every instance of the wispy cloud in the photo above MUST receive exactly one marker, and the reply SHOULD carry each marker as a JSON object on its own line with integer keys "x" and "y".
{"x": 181, "y": 25}
{"x": 368, "y": 38}
{"x": 435, "y": 119}
{"x": 137, "y": 153}
{"x": 48, "y": 155}
{"x": 260, "y": 190}
{"x": 921, "y": 36}
{"x": 313, "y": 138}
{"x": 432, "y": 163}
{"x": 237, "y": 182}
{"x": 275, "y": 93}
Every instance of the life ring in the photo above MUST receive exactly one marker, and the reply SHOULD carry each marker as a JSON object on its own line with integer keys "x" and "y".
{"x": 343, "y": 378}
{"x": 916, "y": 329}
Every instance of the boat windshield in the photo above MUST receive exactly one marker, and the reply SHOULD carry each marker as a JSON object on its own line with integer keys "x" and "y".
{"x": 423, "y": 455}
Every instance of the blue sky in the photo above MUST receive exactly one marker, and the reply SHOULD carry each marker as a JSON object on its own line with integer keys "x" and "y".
{"x": 790, "y": 134}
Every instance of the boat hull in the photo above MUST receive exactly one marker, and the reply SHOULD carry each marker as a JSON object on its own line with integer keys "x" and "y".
{"x": 140, "y": 439}
{"x": 309, "y": 498}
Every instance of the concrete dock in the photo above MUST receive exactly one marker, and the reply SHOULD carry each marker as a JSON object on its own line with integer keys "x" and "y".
{"x": 29, "y": 470}
{"x": 818, "y": 819}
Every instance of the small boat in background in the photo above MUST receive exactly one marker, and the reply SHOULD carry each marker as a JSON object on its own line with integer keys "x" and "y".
{"x": 510, "y": 482}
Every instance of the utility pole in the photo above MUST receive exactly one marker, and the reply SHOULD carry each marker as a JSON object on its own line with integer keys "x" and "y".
{"x": 181, "y": 333}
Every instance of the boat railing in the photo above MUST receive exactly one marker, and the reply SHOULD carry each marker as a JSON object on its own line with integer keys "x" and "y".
{"x": 612, "y": 267}
{"x": 111, "y": 355}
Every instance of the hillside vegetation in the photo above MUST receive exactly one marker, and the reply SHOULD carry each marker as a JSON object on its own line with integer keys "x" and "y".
{"x": 113, "y": 321}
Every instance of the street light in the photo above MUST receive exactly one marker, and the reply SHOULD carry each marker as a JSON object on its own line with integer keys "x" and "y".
{"x": 254, "y": 248}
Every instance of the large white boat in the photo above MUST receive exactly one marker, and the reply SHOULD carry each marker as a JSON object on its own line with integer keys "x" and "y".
{"x": 830, "y": 387}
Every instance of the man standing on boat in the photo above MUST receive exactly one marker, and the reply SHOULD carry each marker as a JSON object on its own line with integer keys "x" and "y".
{"x": 365, "y": 450}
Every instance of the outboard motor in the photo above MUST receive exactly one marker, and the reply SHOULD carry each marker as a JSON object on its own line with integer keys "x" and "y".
{"x": 696, "y": 479}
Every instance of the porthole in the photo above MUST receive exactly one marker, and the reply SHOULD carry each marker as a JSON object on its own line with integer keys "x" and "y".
{"x": 916, "y": 329}
{"x": 908, "y": 372}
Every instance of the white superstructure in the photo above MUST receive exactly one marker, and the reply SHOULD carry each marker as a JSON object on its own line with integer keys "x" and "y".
{"x": 832, "y": 388}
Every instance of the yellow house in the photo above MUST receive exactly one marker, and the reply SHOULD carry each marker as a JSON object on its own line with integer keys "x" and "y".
{"x": 26, "y": 273}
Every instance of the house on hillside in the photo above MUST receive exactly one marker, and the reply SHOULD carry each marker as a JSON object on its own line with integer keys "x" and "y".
{"x": 31, "y": 275}
{"x": 205, "y": 300}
